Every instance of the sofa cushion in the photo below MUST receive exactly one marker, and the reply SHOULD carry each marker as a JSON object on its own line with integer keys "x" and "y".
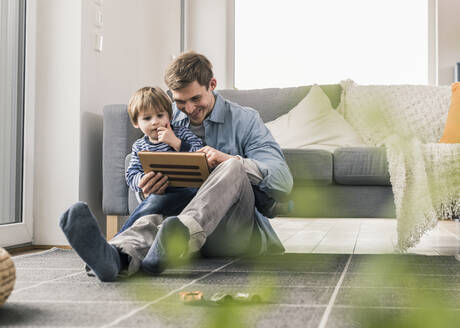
{"x": 452, "y": 128}
{"x": 361, "y": 166}
{"x": 309, "y": 166}
{"x": 274, "y": 102}
{"x": 314, "y": 124}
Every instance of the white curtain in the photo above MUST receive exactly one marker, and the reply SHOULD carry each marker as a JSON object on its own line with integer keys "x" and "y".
{"x": 9, "y": 61}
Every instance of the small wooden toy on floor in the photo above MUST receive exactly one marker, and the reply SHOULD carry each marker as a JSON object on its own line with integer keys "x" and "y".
{"x": 191, "y": 297}
{"x": 197, "y": 297}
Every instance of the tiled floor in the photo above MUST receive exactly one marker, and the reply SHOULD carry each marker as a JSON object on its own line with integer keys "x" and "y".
{"x": 297, "y": 290}
{"x": 361, "y": 236}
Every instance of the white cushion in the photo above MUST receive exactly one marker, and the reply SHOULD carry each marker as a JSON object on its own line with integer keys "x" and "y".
{"x": 314, "y": 124}
{"x": 377, "y": 112}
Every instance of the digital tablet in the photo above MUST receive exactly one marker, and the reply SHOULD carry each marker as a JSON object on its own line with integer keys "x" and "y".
{"x": 182, "y": 169}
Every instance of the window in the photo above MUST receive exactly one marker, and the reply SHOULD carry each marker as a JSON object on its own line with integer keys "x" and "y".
{"x": 12, "y": 14}
{"x": 301, "y": 42}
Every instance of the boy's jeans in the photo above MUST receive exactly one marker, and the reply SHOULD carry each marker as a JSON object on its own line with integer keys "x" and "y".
{"x": 172, "y": 202}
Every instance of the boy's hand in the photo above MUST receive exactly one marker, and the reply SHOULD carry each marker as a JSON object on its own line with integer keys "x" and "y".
{"x": 153, "y": 183}
{"x": 166, "y": 135}
{"x": 214, "y": 157}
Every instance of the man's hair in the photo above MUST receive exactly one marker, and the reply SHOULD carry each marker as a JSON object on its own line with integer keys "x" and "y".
{"x": 186, "y": 68}
{"x": 148, "y": 98}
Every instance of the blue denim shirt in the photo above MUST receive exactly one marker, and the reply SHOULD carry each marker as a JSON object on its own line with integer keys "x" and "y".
{"x": 237, "y": 130}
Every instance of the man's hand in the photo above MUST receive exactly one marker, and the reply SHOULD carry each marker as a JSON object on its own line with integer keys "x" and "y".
{"x": 166, "y": 135}
{"x": 214, "y": 157}
{"x": 153, "y": 183}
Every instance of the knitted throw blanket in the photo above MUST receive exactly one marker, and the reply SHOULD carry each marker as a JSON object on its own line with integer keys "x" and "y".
{"x": 425, "y": 175}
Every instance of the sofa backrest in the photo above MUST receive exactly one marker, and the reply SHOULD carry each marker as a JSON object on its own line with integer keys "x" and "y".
{"x": 273, "y": 102}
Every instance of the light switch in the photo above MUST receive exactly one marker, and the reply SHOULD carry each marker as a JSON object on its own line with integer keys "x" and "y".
{"x": 99, "y": 43}
{"x": 99, "y": 18}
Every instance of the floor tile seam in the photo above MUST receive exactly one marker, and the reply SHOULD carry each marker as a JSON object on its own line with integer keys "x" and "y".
{"x": 342, "y": 306}
{"x": 444, "y": 265}
{"x": 143, "y": 302}
{"x": 56, "y": 326}
{"x": 47, "y": 281}
{"x": 271, "y": 286}
{"x": 209, "y": 284}
{"x": 133, "y": 312}
{"x": 357, "y": 237}
{"x": 35, "y": 254}
{"x": 402, "y": 288}
{"x": 275, "y": 271}
{"x": 319, "y": 242}
{"x": 309, "y": 224}
{"x": 74, "y": 302}
{"x": 333, "y": 286}
{"x": 327, "y": 311}
{"x": 291, "y": 305}
{"x": 412, "y": 274}
{"x": 46, "y": 269}
{"x": 304, "y": 286}
{"x": 450, "y": 233}
{"x": 148, "y": 303}
{"x": 255, "y": 271}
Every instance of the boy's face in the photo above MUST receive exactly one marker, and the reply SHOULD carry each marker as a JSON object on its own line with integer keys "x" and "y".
{"x": 149, "y": 120}
{"x": 195, "y": 100}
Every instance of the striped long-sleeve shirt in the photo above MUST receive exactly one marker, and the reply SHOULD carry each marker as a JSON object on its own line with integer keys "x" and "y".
{"x": 134, "y": 173}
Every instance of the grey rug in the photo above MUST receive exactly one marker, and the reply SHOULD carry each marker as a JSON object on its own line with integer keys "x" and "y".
{"x": 297, "y": 290}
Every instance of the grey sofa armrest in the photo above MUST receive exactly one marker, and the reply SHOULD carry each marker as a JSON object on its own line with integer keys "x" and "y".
{"x": 117, "y": 140}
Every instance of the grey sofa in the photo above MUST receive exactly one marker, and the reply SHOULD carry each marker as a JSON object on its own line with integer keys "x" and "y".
{"x": 351, "y": 182}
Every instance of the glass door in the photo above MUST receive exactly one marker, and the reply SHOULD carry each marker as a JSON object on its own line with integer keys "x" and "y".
{"x": 13, "y": 229}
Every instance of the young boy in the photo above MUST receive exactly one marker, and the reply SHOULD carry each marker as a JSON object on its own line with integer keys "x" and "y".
{"x": 150, "y": 111}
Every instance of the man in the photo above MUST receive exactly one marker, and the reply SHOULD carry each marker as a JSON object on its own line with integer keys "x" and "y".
{"x": 221, "y": 219}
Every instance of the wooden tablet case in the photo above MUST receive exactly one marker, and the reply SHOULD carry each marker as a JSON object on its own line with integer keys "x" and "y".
{"x": 182, "y": 169}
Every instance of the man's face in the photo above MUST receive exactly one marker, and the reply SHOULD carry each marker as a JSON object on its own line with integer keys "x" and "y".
{"x": 195, "y": 100}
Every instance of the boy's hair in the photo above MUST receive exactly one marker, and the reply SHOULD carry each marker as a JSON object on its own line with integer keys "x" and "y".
{"x": 186, "y": 68}
{"x": 146, "y": 98}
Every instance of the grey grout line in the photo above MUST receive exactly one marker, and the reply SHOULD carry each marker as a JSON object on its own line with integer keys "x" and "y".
{"x": 362, "y": 307}
{"x": 450, "y": 232}
{"x": 133, "y": 312}
{"x": 328, "y": 310}
{"x": 357, "y": 237}
{"x": 316, "y": 246}
{"x": 389, "y": 307}
{"x": 47, "y": 281}
{"x": 274, "y": 286}
{"x": 34, "y": 254}
{"x": 46, "y": 269}
{"x": 457, "y": 256}
{"x": 309, "y": 224}
{"x": 75, "y": 302}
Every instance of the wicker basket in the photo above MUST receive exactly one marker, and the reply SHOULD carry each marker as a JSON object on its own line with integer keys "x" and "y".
{"x": 7, "y": 275}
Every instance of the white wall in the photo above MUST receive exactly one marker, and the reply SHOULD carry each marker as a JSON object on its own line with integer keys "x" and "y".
{"x": 209, "y": 31}
{"x": 449, "y": 42}
{"x": 57, "y": 112}
{"x": 139, "y": 38}
{"x": 73, "y": 83}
